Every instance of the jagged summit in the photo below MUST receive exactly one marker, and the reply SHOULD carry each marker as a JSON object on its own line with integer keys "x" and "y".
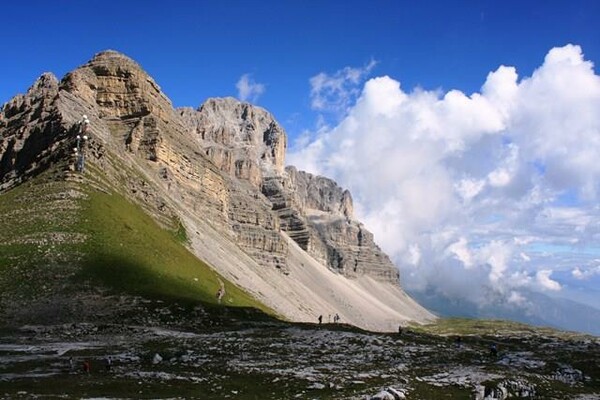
{"x": 287, "y": 237}
{"x": 226, "y": 102}
{"x": 118, "y": 86}
{"x": 241, "y": 139}
{"x": 113, "y": 58}
{"x": 46, "y": 81}
{"x": 110, "y": 54}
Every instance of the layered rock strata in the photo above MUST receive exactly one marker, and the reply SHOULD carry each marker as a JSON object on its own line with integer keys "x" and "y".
{"x": 234, "y": 150}
{"x": 242, "y": 140}
{"x": 318, "y": 215}
{"x": 246, "y": 141}
{"x": 131, "y": 116}
{"x": 220, "y": 170}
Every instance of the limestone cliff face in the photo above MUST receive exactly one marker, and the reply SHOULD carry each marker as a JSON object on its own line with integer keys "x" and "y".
{"x": 135, "y": 123}
{"x": 245, "y": 141}
{"x": 30, "y": 126}
{"x": 242, "y": 140}
{"x": 222, "y": 163}
{"x": 318, "y": 215}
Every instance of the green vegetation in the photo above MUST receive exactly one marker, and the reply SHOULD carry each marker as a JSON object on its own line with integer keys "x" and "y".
{"x": 82, "y": 236}
{"x": 128, "y": 251}
{"x": 39, "y": 238}
{"x": 482, "y": 327}
{"x": 63, "y": 237}
{"x": 181, "y": 234}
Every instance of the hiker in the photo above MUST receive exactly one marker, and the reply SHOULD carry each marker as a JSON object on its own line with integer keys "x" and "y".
{"x": 220, "y": 294}
{"x": 71, "y": 363}
{"x": 458, "y": 342}
{"x": 399, "y": 329}
{"x": 108, "y": 363}
{"x": 494, "y": 350}
{"x": 86, "y": 367}
{"x": 336, "y": 318}
{"x": 221, "y": 291}
{"x": 320, "y": 319}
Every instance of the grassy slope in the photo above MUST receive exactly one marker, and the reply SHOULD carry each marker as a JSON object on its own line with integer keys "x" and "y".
{"x": 130, "y": 252}
{"x": 482, "y": 327}
{"x": 110, "y": 242}
{"x": 29, "y": 258}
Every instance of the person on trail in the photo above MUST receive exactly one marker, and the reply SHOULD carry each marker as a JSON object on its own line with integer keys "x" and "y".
{"x": 71, "y": 363}
{"x": 399, "y": 329}
{"x": 220, "y": 294}
{"x": 108, "y": 363}
{"x": 221, "y": 291}
{"x": 320, "y": 319}
{"x": 458, "y": 342}
{"x": 494, "y": 350}
{"x": 336, "y": 318}
{"x": 86, "y": 367}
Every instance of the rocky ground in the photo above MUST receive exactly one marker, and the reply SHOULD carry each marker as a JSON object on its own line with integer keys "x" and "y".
{"x": 272, "y": 360}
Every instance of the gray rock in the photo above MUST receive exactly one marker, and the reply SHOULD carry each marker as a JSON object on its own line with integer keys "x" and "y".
{"x": 318, "y": 215}
{"x": 383, "y": 395}
{"x": 222, "y": 164}
{"x": 316, "y": 386}
{"x": 245, "y": 141}
{"x": 397, "y": 393}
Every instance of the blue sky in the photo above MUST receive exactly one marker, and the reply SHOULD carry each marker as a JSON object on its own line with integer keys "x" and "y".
{"x": 200, "y": 49}
{"x": 467, "y": 131}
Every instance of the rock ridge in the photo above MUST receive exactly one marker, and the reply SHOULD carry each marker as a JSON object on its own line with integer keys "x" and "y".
{"x": 245, "y": 141}
{"x": 220, "y": 169}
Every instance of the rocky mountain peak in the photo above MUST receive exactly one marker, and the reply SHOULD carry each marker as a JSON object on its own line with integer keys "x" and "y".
{"x": 45, "y": 87}
{"x": 29, "y": 129}
{"x": 321, "y": 193}
{"x": 220, "y": 169}
{"x": 241, "y": 139}
{"x": 119, "y": 86}
{"x": 246, "y": 141}
{"x": 46, "y": 83}
{"x": 112, "y": 56}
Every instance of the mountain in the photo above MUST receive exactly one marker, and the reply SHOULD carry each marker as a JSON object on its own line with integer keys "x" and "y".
{"x": 540, "y": 310}
{"x": 139, "y": 202}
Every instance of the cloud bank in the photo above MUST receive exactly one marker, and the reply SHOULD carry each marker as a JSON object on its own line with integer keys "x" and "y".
{"x": 483, "y": 196}
{"x": 248, "y": 89}
{"x": 335, "y": 92}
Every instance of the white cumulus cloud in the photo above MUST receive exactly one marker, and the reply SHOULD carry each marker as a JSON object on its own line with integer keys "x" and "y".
{"x": 543, "y": 278}
{"x": 248, "y": 89}
{"x": 467, "y": 191}
{"x": 335, "y": 92}
{"x": 585, "y": 273}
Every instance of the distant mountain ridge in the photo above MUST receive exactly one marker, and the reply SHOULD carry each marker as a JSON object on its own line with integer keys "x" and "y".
{"x": 285, "y": 236}
{"x": 541, "y": 310}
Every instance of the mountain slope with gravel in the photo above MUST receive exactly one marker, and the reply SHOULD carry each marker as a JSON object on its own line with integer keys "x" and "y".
{"x": 114, "y": 199}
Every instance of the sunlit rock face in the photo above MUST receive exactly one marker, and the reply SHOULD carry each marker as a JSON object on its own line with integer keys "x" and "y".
{"x": 220, "y": 170}
{"x": 241, "y": 139}
{"x": 245, "y": 141}
{"x": 318, "y": 215}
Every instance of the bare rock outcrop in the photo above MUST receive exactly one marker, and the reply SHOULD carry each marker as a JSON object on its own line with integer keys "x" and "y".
{"x": 32, "y": 129}
{"x": 220, "y": 170}
{"x": 131, "y": 117}
{"x": 245, "y": 141}
{"x": 242, "y": 140}
{"x": 318, "y": 215}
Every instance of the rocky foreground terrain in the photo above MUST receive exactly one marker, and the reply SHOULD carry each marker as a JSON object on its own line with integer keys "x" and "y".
{"x": 121, "y": 261}
{"x": 273, "y": 360}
